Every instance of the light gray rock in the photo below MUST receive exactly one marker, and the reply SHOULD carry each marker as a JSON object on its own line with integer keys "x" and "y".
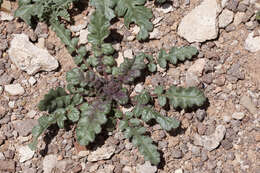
{"x": 225, "y": 18}
{"x": 194, "y": 71}
{"x": 138, "y": 88}
{"x": 128, "y": 53}
{"x": 49, "y": 162}
{"x": 238, "y": 18}
{"x": 146, "y": 167}
{"x": 25, "y": 153}
{"x": 178, "y": 170}
{"x": 252, "y": 43}
{"x": 14, "y": 89}
{"x": 248, "y": 104}
{"x": 24, "y": 127}
{"x": 212, "y": 141}
{"x": 6, "y": 16}
{"x": 28, "y": 57}
{"x": 32, "y": 81}
{"x": 77, "y": 28}
{"x": 107, "y": 169}
{"x": 83, "y": 36}
{"x": 101, "y": 153}
{"x": 155, "y": 34}
{"x": 238, "y": 115}
{"x": 200, "y": 24}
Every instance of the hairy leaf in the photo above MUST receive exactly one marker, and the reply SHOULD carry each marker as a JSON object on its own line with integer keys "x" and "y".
{"x": 98, "y": 28}
{"x": 54, "y": 99}
{"x": 135, "y": 132}
{"x": 176, "y": 54}
{"x": 135, "y": 11}
{"x": 130, "y": 69}
{"x": 73, "y": 113}
{"x": 185, "y": 97}
{"x": 143, "y": 98}
{"x": 105, "y": 6}
{"x": 92, "y": 117}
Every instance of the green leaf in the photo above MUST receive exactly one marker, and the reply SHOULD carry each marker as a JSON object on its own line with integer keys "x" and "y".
{"x": 92, "y": 117}
{"x": 98, "y": 28}
{"x": 160, "y": 1}
{"x": 167, "y": 123}
{"x": 77, "y": 99}
{"x": 25, "y": 12}
{"x": 73, "y": 113}
{"x": 105, "y": 6}
{"x": 75, "y": 76}
{"x": 60, "y": 115}
{"x": 108, "y": 60}
{"x": 257, "y": 15}
{"x": 152, "y": 67}
{"x": 54, "y": 99}
{"x": 130, "y": 69}
{"x": 121, "y": 96}
{"x": 143, "y": 98}
{"x": 64, "y": 34}
{"x": 143, "y": 143}
{"x": 185, "y": 97}
{"x": 176, "y": 54}
{"x": 135, "y": 11}
{"x": 107, "y": 49}
{"x": 162, "y": 100}
{"x": 159, "y": 90}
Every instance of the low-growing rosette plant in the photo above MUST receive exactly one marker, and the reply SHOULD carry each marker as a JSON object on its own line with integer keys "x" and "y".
{"x": 98, "y": 88}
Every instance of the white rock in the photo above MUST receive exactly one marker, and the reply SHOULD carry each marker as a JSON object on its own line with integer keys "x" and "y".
{"x": 25, "y": 153}
{"x": 178, "y": 171}
{"x": 238, "y": 115}
{"x": 49, "y": 162}
{"x": 6, "y": 16}
{"x": 14, "y": 89}
{"x": 166, "y": 8}
{"x": 77, "y": 28}
{"x": 41, "y": 43}
{"x": 248, "y": 104}
{"x": 11, "y": 104}
{"x": 223, "y": 3}
{"x": 200, "y": 24}
{"x": 83, "y": 36}
{"x": 32, "y": 81}
{"x": 128, "y": 169}
{"x": 212, "y": 141}
{"x": 227, "y": 118}
{"x": 155, "y": 34}
{"x": 101, "y": 153}
{"x": 120, "y": 59}
{"x": 135, "y": 30}
{"x": 252, "y": 44}
{"x": 107, "y": 169}
{"x": 29, "y": 57}
{"x": 128, "y": 53}
{"x": 83, "y": 153}
{"x": 194, "y": 72}
{"x": 145, "y": 168}
{"x": 238, "y": 18}
{"x": 225, "y": 18}
{"x": 138, "y": 88}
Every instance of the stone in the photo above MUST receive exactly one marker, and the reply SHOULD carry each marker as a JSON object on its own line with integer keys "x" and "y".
{"x": 238, "y": 18}
{"x": 223, "y": 3}
{"x": 155, "y": 34}
{"x": 79, "y": 27}
{"x": 25, "y": 153}
{"x": 177, "y": 154}
{"x": 24, "y": 127}
{"x": 14, "y": 89}
{"x": 3, "y": 44}
{"x": 201, "y": 114}
{"x": 138, "y": 88}
{"x": 248, "y": 104}
{"x": 107, "y": 169}
{"x": 146, "y": 167}
{"x": 101, "y": 153}
{"x": 200, "y": 24}
{"x": 235, "y": 71}
{"x": 7, "y": 165}
{"x": 178, "y": 170}
{"x": 252, "y": 44}
{"x": 128, "y": 53}
{"x": 83, "y": 36}
{"x": 212, "y": 141}
{"x": 194, "y": 72}
{"x": 49, "y": 162}
{"x": 238, "y": 115}
{"x": 128, "y": 169}
{"x": 225, "y": 18}
{"x": 32, "y": 81}
{"x": 232, "y": 5}
{"x": 5, "y": 79}
{"x": 226, "y": 144}
{"x": 28, "y": 57}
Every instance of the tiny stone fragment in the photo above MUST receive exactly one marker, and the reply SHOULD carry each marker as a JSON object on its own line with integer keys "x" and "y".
{"x": 25, "y": 153}
{"x": 225, "y": 18}
{"x": 101, "y": 153}
{"x": 8, "y": 166}
{"x": 238, "y": 115}
{"x": 49, "y": 162}
{"x": 145, "y": 168}
{"x": 248, "y": 104}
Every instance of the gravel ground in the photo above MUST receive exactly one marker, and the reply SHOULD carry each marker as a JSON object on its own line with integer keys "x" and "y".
{"x": 222, "y": 138}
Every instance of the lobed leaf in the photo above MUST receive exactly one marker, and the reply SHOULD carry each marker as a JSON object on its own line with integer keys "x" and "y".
{"x": 105, "y": 6}
{"x": 135, "y": 11}
{"x": 92, "y": 117}
{"x": 185, "y": 97}
{"x": 176, "y": 54}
